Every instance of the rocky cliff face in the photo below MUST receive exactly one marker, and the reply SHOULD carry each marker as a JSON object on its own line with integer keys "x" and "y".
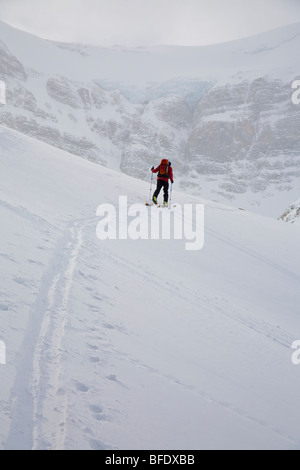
{"x": 236, "y": 141}
{"x": 10, "y": 67}
{"x": 292, "y": 214}
{"x": 248, "y": 134}
{"x": 53, "y": 109}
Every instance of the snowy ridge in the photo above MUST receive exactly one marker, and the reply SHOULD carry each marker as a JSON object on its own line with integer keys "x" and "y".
{"x": 109, "y": 347}
{"x": 143, "y": 65}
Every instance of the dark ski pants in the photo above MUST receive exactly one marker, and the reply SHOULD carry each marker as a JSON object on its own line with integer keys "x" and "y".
{"x": 162, "y": 184}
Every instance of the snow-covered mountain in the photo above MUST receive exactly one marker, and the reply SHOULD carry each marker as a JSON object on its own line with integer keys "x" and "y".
{"x": 139, "y": 344}
{"x": 292, "y": 214}
{"x": 222, "y": 114}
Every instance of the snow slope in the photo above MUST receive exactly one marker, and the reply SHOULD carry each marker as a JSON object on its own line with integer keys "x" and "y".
{"x": 139, "y": 344}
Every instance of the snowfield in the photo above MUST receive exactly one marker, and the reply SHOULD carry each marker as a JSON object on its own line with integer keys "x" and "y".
{"x": 139, "y": 344}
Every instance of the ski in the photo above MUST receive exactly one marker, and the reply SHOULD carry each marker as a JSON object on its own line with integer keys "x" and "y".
{"x": 160, "y": 206}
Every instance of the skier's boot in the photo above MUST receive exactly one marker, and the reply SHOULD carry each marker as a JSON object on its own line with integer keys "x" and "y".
{"x": 154, "y": 200}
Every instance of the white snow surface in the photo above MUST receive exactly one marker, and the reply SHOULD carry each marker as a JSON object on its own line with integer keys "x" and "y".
{"x": 263, "y": 54}
{"x": 139, "y": 344}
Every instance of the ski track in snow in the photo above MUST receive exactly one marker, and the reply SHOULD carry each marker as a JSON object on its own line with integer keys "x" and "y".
{"x": 50, "y": 406}
{"x": 260, "y": 327}
{"x": 210, "y": 399}
{"x": 47, "y": 415}
{"x": 44, "y": 409}
{"x": 258, "y": 256}
{"x": 219, "y": 305}
{"x": 41, "y": 400}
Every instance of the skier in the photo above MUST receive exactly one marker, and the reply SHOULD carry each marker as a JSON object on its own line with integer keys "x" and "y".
{"x": 165, "y": 173}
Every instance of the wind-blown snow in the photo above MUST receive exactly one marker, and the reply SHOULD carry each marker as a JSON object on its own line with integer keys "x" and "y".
{"x": 139, "y": 344}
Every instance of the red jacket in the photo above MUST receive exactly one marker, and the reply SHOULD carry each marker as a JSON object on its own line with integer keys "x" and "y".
{"x": 164, "y": 178}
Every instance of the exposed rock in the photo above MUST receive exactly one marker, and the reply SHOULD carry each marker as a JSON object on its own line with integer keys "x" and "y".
{"x": 292, "y": 215}
{"x": 61, "y": 90}
{"x": 10, "y": 67}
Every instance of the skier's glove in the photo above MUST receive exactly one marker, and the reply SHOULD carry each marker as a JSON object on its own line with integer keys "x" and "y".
{"x": 152, "y": 168}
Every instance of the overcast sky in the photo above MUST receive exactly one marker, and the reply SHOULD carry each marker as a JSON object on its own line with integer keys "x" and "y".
{"x": 148, "y": 22}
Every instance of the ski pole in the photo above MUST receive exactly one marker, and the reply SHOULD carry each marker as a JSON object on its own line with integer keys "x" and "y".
{"x": 171, "y": 196}
{"x": 150, "y": 195}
